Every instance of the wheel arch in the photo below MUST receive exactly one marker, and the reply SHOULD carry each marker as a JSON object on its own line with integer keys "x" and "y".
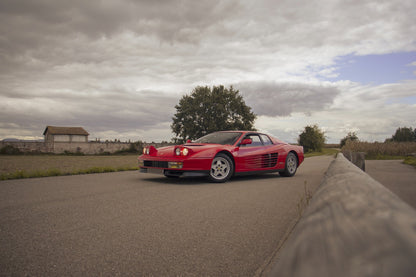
{"x": 229, "y": 155}
{"x": 296, "y": 155}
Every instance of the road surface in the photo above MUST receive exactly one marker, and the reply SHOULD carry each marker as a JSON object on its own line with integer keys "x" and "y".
{"x": 398, "y": 177}
{"x": 132, "y": 224}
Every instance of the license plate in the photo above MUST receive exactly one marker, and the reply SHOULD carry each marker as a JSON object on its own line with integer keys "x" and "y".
{"x": 155, "y": 170}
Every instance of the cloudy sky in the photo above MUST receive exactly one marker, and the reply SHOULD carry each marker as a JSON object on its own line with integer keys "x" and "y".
{"x": 118, "y": 67}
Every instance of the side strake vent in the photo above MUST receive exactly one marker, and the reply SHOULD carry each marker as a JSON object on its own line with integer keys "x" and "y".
{"x": 269, "y": 160}
{"x": 261, "y": 161}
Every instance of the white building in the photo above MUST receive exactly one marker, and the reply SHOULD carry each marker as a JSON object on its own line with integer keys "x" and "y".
{"x": 65, "y": 134}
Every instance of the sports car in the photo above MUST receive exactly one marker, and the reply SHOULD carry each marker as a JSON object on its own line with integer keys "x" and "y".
{"x": 221, "y": 155}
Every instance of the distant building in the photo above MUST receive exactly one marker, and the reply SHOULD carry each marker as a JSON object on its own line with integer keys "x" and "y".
{"x": 65, "y": 134}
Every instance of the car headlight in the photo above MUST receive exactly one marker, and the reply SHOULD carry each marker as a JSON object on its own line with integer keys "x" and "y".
{"x": 182, "y": 151}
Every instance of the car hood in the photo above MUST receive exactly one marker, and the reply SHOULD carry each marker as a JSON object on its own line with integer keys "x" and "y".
{"x": 169, "y": 151}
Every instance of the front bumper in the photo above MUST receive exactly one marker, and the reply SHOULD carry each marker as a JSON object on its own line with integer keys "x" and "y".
{"x": 175, "y": 173}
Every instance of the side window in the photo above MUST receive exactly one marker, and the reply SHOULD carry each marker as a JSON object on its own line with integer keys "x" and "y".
{"x": 266, "y": 140}
{"x": 256, "y": 140}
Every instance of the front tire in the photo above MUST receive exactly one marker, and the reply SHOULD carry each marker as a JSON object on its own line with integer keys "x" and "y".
{"x": 222, "y": 168}
{"x": 291, "y": 165}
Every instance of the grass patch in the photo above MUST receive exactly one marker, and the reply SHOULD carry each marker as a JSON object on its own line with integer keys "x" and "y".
{"x": 324, "y": 152}
{"x": 21, "y": 174}
{"x": 33, "y": 166}
{"x": 410, "y": 161}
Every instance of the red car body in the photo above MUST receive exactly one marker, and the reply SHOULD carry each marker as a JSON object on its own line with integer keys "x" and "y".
{"x": 221, "y": 155}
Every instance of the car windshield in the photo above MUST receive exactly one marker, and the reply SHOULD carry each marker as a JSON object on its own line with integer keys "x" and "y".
{"x": 220, "y": 138}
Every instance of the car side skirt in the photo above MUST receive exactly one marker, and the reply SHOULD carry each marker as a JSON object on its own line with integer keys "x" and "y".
{"x": 257, "y": 172}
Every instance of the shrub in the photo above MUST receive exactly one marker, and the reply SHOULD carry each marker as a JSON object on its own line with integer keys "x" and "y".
{"x": 10, "y": 150}
{"x": 404, "y": 134}
{"x": 312, "y": 139}
{"x": 350, "y": 137}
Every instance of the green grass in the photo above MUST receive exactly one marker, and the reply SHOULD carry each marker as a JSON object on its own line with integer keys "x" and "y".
{"x": 21, "y": 174}
{"x": 410, "y": 161}
{"x": 324, "y": 152}
{"x": 33, "y": 166}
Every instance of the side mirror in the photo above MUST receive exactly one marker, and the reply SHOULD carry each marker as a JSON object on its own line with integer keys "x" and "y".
{"x": 246, "y": 141}
{"x": 188, "y": 141}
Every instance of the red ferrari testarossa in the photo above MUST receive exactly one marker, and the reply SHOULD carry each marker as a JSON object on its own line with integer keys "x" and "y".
{"x": 221, "y": 155}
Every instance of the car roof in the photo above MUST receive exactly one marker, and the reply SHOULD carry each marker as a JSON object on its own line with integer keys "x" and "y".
{"x": 240, "y": 131}
{"x": 244, "y": 132}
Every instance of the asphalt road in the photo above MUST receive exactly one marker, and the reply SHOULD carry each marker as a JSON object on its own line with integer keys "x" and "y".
{"x": 396, "y": 176}
{"x": 132, "y": 224}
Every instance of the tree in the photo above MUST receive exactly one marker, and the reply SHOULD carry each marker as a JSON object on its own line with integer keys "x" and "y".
{"x": 352, "y": 136}
{"x": 312, "y": 139}
{"x": 208, "y": 110}
{"x": 404, "y": 134}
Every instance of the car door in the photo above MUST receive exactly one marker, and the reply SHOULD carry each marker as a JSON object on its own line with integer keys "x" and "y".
{"x": 255, "y": 156}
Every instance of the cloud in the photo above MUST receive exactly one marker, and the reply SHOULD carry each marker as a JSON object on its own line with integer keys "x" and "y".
{"x": 283, "y": 99}
{"x": 98, "y": 113}
{"x": 373, "y": 112}
{"x": 121, "y": 66}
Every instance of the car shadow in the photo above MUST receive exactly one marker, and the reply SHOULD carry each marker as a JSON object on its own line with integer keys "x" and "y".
{"x": 257, "y": 177}
{"x": 187, "y": 181}
{"x": 179, "y": 181}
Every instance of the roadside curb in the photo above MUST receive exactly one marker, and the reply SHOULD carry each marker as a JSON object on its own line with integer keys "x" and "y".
{"x": 353, "y": 226}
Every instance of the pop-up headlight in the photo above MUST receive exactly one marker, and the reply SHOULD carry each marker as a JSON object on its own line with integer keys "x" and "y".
{"x": 182, "y": 151}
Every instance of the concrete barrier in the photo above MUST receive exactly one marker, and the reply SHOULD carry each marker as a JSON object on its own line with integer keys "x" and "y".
{"x": 353, "y": 227}
{"x": 357, "y": 158}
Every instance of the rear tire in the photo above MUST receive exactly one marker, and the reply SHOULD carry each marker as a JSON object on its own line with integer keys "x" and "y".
{"x": 291, "y": 165}
{"x": 222, "y": 168}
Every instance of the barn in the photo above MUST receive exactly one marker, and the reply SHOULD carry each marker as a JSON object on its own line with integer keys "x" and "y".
{"x": 54, "y": 134}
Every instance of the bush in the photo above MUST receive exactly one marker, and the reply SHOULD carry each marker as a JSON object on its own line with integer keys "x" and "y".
{"x": 69, "y": 153}
{"x": 410, "y": 161}
{"x": 312, "y": 139}
{"x": 10, "y": 150}
{"x": 404, "y": 134}
{"x": 350, "y": 137}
